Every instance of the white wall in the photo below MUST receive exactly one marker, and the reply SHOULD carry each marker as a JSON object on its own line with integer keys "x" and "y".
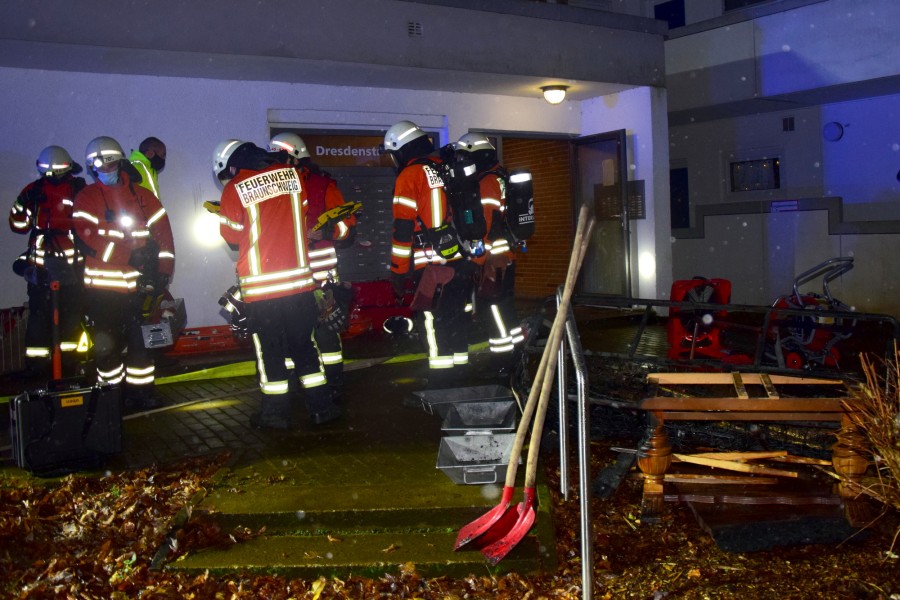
{"x": 762, "y": 253}
{"x": 191, "y": 116}
{"x": 825, "y": 44}
{"x": 708, "y": 148}
{"x": 863, "y": 165}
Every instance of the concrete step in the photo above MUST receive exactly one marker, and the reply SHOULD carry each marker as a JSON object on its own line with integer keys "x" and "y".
{"x": 365, "y": 555}
{"x": 365, "y": 530}
{"x": 304, "y": 509}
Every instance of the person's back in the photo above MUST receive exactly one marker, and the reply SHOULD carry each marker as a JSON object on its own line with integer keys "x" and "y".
{"x": 496, "y": 286}
{"x": 262, "y": 215}
{"x": 425, "y": 246}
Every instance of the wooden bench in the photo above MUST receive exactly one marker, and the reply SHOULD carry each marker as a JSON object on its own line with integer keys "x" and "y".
{"x": 655, "y": 453}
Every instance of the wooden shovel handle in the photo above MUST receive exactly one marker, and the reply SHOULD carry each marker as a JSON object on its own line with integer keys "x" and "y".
{"x": 555, "y": 332}
{"x": 553, "y": 343}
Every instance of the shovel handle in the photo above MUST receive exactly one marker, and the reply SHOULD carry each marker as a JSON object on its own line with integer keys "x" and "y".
{"x": 584, "y": 225}
{"x": 552, "y": 347}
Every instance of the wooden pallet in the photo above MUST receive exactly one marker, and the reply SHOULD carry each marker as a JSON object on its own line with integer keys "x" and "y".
{"x": 753, "y": 397}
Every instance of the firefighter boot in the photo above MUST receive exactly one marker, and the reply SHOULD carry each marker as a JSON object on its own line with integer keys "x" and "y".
{"x": 274, "y": 413}
{"x": 322, "y": 408}
{"x": 142, "y": 397}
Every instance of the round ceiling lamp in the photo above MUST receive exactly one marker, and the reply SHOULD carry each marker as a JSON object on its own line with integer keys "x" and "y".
{"x": 554, "y": 94}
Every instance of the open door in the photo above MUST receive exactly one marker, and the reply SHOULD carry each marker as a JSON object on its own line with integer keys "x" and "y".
{"x": 601, "y": 179}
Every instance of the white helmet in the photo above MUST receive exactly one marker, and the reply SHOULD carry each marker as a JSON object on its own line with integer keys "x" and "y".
{"x": 401, "y": 134}
{"x": 102, "y": 150}
{"x": 290, "y": 143}
{"x": 54, "y": 160}
{"x": 473, "y": 142}
{"x": 221, "y": 155}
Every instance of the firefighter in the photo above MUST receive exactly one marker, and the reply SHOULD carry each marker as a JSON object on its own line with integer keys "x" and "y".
{"x": 130, "y": 256}
{"x": 333, "y": 295}
{"x": 262, "y": 213}
{"x": 496, "y": 287}
{"x": 425, "y": 246}
{"x": 149, "y": 159}
{"x": 43, "y": 210}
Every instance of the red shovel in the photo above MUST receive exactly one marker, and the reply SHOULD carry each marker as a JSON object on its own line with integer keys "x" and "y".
{"x": 496, "y": 523}
{"x": 500, "y": 545}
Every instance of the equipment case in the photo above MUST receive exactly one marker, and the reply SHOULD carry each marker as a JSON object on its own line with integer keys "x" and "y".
{"x": 67, "y": 427}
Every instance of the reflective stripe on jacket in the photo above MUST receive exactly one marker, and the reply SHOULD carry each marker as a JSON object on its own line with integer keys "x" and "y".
{"x": 115, "y": 220}
{"x": 263, "y": 213}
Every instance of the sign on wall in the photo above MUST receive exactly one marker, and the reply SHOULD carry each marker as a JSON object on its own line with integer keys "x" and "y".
{"x": 337, "y": 150}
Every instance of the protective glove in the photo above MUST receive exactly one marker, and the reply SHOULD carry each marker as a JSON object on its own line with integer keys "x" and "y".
{"x": 231, "y": 301}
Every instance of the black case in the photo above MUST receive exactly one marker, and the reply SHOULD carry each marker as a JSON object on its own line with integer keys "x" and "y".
{"x": 67, "y": 427}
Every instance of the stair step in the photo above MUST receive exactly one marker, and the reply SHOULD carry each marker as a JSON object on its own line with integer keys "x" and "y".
{"x": 305, "y": 508}
{"x": 364, "y": 555}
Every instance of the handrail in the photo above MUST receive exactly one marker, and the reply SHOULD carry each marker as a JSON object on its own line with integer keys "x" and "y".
{"x": 829, "y": 270}
{"x": 767, "y": 315}
{"x": 584, "y": 464}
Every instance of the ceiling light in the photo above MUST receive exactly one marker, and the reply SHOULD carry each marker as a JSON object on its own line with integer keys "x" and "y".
{"x": 554, "y": 94}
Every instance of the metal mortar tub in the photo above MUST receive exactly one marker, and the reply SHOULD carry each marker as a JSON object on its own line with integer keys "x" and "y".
{"x": 439, "y": 401}
{"x": 476, "y": 458}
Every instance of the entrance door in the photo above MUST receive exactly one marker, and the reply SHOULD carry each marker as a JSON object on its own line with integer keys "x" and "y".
{"x": 600, "y": 173}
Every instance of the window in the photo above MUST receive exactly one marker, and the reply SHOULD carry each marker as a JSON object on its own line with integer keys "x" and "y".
{"x": 739, "y": 4}
{"x": 753, "y": 175}
{"x": 672, "y": 12}
{"x": 680, "y": 198}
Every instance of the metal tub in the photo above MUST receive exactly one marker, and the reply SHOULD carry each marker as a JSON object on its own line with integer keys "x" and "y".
{"x": 495, "y": 416}
{"x": 439, "y": 401}
{"x": 475, "y": 459}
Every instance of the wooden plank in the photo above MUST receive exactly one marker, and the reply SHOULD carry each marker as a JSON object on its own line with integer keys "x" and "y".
{"x": 734, "y": 466}
{"x": 719, "y": 479}
{"x": 755, "y": 500}
{"x": 725, "y": 379}
{"x": 768, "y": 385}
{"x": 741, "y": 455}
{"x": 802, "y": 460}
{"x": 748, "y": 416}
{"x": 738, "y": 383}
{"x": 745, "y": 404}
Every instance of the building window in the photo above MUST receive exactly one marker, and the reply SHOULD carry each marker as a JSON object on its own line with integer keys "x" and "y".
{"x": 672, "y": 12}
{"x": 739, "y": 4}
{"x": 680, "y": 198}
{"x": 754, "y": 175}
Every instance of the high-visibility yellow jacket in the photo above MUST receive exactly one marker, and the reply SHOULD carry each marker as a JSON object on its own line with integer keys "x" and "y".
{"x": 149, "y": 176}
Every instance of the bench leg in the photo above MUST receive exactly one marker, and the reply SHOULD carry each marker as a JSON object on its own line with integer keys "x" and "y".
{"x": 654, "y": 458}
{"x": 850, "y": 460}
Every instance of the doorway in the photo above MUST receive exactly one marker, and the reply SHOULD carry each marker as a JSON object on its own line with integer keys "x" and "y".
{"x": 600, "y": 178}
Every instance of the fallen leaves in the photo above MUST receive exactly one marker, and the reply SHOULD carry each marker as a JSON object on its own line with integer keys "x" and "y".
{"x": 96, "y": 538}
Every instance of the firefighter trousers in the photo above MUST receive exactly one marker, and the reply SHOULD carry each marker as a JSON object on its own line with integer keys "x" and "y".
{"x": 445, "y": 328}
{"x": 282, "y": 329}
{"x": 115, "y": 326}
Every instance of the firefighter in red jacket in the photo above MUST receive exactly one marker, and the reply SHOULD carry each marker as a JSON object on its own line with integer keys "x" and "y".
{"x": 130, "y": 255}
{"x": 425, "y": 246}
{"x": 323, "y": 195}
{"x": 43, "y": 210}
{"x": 498, "y": 267}
{"x": 262, "y": 214}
